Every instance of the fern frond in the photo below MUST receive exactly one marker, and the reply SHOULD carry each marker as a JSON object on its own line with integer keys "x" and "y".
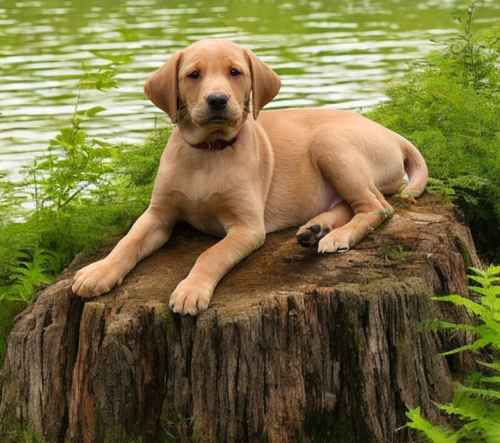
{"x": 436, "y": 434}
{"x": 459, "y": 300}
{"x": 474, "y": 346}
{"x": 481, "y": 392}
{"x": 435, "y": 325}
{"x": 477, "y": 404}
{"x": 494, "y": 365}
{"x": 491, "y": 379}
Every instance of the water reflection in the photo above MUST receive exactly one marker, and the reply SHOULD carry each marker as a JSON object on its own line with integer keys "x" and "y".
{"x": 342, "y": 53}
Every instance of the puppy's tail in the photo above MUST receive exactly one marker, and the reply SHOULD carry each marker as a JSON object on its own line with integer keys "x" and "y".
{"x": 416, "y": 168}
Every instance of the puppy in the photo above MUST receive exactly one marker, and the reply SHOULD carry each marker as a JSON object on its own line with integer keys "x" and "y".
{"x": 233, "y": 171}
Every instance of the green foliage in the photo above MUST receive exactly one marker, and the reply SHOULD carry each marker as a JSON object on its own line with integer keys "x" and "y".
{"x": 29, "y": 273}
{"x": 104, "y": 77}
{"x": 433, "y": 433}
{"x": 448, "y": 105}
{"x": 80, "y": 192}
{"x": 19, "y": 435}
{"x": 476, "y": 404}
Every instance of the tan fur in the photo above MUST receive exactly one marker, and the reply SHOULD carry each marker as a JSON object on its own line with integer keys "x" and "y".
{"x": 324, "y": 169}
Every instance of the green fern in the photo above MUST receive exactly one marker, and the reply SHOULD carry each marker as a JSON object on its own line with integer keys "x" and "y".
{"x": 477, "y": 404}
{"x": 434, "y": 433}
{"x": 30, "y": 272}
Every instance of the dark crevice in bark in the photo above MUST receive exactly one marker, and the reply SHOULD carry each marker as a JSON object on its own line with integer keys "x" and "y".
{"x": 72, "y": 331}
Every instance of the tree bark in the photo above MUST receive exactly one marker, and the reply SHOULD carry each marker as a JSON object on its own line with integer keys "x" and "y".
{"x": 294, "y": 347}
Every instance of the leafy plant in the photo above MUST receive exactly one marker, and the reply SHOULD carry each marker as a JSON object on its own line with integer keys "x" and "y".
{"x": 476, "y": 404}
{"x": 30, "y": 272}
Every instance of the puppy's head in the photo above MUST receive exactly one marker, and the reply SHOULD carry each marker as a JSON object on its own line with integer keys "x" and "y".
{"x": 207, "y": 88}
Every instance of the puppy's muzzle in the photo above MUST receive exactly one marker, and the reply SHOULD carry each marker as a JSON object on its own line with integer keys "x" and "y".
{"x": 217, "y": 102}
{"x": 219, "y": 111}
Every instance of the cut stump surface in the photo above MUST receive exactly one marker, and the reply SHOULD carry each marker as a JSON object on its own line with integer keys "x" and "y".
{"x": 294, "y": 347}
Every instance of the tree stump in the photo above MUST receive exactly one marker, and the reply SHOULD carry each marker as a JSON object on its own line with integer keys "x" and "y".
{"x": 294, "y": 347}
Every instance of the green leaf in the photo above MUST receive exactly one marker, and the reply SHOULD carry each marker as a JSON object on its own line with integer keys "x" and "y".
{"x": 473, "y": 307}
{"x": 478, "y": 344}
{"x": 115, "y": 58}
{"x": 493, "y": 379}
{"x": 478, "y": 271}
{"x": 436, "y": 434}
{"x": 482, "y": 392}
{"x": 495, "y": 365}
{"x": 493, "y": 271}
{"x": 92, "y": 112}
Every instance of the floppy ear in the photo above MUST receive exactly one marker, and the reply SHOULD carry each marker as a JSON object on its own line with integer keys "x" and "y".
{"x": 162, "y": 86}
{"x": 265, "y": 83}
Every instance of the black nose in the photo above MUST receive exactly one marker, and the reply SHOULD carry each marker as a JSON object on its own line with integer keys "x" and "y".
{"x": 217, "y": 102}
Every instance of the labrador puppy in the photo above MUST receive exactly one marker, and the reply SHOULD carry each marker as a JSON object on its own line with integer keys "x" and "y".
{"x": 238, "y": 173}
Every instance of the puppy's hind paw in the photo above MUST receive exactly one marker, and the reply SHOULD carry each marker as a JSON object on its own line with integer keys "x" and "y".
{"x": 309, "y": 236}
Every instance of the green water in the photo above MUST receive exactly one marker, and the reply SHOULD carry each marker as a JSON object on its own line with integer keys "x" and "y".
{"x": 340, "y": 52}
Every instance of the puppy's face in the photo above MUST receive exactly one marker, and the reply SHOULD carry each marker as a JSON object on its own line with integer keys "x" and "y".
{"x": 214, "y": 85}
{"x": 207, "y": 89}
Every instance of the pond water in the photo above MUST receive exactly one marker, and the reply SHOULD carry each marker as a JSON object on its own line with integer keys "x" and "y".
{"x": 342, "y": 52}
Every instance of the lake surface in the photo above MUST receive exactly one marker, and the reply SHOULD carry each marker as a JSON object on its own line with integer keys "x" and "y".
{"x": 342, "y": 52}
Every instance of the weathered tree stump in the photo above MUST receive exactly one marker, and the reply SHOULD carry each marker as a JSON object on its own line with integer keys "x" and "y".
{"x": 294, "y": 347}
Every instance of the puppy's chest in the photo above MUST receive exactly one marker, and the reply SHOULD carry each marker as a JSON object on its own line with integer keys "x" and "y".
{"x": 204, "y": 189}
{"x": 203, "y": 199}
{"x": 205, "y": 219}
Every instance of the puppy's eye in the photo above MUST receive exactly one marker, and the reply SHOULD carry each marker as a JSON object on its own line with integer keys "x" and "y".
{"x": 194, "y": 75}
{"x": 235, "y": 72}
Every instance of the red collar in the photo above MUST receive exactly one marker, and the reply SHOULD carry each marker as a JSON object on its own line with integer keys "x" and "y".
{"x": 216, "y": 145}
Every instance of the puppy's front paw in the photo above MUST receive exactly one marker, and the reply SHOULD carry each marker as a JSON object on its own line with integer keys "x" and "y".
{"x": 96, "y": 279}
{"x": 334, "y": 243}
{"x": 190, "y": 298}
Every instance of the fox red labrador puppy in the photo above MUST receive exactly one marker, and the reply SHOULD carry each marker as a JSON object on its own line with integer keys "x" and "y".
{"x": 238, "y": 173}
